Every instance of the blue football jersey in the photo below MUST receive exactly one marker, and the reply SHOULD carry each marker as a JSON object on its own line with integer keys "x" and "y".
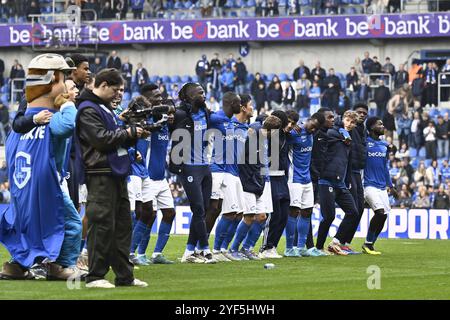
{"x": 157, "y": 153}
{"x": 239, "y": 136}
{"x": 376, "y": 171}
{"x": 300, "y": 156}
{"x": 221, "y": 122}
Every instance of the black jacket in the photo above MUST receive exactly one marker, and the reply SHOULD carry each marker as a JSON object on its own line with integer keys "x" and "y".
{"x": 95, "y": 140}
{"x": 296, "y": 73}
{"x": 183, "y": 120}
{"x": 359, "y": 147}
{"x": 250, "y": 173}
{"x": 114, "y": 63}
{"x": 21, "y": 122}
{"x": 317, "y": 154}
{"x": 337, "y": 162}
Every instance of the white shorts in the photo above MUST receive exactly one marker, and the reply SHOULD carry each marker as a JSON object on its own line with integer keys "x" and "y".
{"x": 377, "y": 199}
{"x": 161, "y": 195}
{"x": 139, "y": 190}
{"x": 232, "y": 194}
{"x": 82, "y": 194}
{"x": 255, "y": 205}
{"x": 302, "y": 195}
{"x": 217, "y": 185}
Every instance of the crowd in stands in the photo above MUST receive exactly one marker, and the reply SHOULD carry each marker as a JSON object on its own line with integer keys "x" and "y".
{"x": 13, "y": 11}
{"x": 406, "y": 100}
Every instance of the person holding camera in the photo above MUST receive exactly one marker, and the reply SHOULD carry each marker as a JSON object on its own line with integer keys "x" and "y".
{"x": 107, "y": 164}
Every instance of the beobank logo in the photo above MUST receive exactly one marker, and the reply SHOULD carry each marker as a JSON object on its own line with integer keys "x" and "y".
{"x": 376, "y": 25}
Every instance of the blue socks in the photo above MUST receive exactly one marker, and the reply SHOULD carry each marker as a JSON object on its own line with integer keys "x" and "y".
{"x": 303, "y": 230}
{"x": 138, "y": 231}
{"x": 290, "y": 231}
{"x": 221, "y": 231}
{"x": 253, "y": 235}
{"x": 241, "y": 232}
{"x": 145, "y": 241}
{"x": 230, "y": 234}
{"x": 163, "y": 236}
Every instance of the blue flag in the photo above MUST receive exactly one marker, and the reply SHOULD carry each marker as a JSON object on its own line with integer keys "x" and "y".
{"x": 33, "y": 224}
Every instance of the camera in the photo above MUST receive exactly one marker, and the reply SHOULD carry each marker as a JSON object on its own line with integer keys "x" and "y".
{"x": 140, "y": 109}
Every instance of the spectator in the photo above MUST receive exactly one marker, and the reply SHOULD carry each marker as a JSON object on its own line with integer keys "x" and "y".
{"x": 419, "y": 175}
{"x": 4, "y": 124}
{"x": 416, "y": 138}
{"x": 352, "y": 85}
{"x": 121, "y": 8}
{"x": 272, "y": 8}
{"x": 404, "y": 200}
{"x": 206, "y": 8}
{"x": 300, "y": 70}
{"x": 392, "y": 149}
{"x": 91, "y": 5}
{"x": 227, "y": 80}
{"x": 275, "y": 96}
{"x": 255, "y": 84}
{"x": 127, "y": 73}
{"x": 400, "y": 77}
{"x": 137, "y": 6}
{"x": 388, "y": 67}
{"x": 33, "y": 9}
{"x": 260, "y": 97}
{"x": 5, "y": 194}
{"x": 318, "y": 70}
{"x": 398, "y": 108}
{"x": 17, "y": 73}
{"x": 375, "y": 66}
{"x": 215, "y": 62}
{"x": 141, "y": 76}
{"x": 219, "y": 6}
{"x": 344, "y": 103}
{"x": 303, "y": 86}
{"x": 107, "y": 12}
{"x": 241, "y": 76}
{"x": 441, "y": 200}
{"x": 331, "y": 94}
{"x": 203, "y": 71}
{"x": 445, "y": 171}
{"x": 403, "y": 152}
{"x": 433, "y": 175}
{"x": 331, "y": 6}
{"x": 288, "y": 95}
{"x": 423, "y": 200}
{"x": 430, "y": 140}
{"x": 212, "y": 104}
{"x": 445, "y": 79}
{"x": 366, "y": 63}
{"x": 381, "y": 97}
{"x": 97, "y": 66}
{"x": 314, "y": 98}
{"x": 395, "y": 4}
{"x": 114, "y": 61}
{"x": 357, "y": 66}
{"x": 3, "y": 173}
{"x": 292, "y": 7}
{"x": 402, "y": 177}
{"x": 320, "y": 82}
{"x": 230, "y": 62}
{"x": 174, "y": 94}
{"x": 442, "y": 129}
{"x": 430, "y": 89}
{"x": 408, "y": 167}
{"x": 363, "y": 90}
{"x": 394, "y": 171}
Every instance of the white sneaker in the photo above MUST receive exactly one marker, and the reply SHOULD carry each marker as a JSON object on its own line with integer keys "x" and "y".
{"x": 229, "y": 256}
{"x": 104, "y": 284}
{"x": 192, "y": 258}
{"x": 220, "y": 257}
{"x": 139, "y": 283}
{"x": 270, "y": 254}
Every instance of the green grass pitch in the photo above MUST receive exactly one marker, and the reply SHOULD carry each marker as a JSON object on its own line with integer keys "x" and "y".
{"x": 409, "y": 269}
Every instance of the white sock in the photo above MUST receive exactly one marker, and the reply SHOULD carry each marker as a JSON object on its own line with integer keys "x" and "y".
{"x": 207, "y": 251}
{"x": 336, "y": 241}
{"x": 188, "y": 252}
{"x": 155, "y": 254}
{"x": 84, "y": 251}
{"x": 216, "y": 251}
{"x": 140, "y": 255}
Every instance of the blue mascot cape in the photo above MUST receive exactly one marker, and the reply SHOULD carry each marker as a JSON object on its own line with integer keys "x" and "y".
{"x": 33, "y": 224}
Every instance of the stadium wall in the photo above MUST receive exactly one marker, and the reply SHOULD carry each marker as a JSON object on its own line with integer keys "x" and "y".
{"x": 265, "y": 57}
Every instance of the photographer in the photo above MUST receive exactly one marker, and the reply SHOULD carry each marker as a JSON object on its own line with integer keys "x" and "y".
{"x": 107, "y": 164}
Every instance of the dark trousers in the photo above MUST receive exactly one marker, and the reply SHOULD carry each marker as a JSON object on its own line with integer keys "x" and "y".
{"x": 357, "y": 192}
{"x": 431, "y": 150}
{"x": 277, "y": 220}
{"x": 197, "y": 183}
{"x": 328, "y": 197}
{"x": 109, "y": 229}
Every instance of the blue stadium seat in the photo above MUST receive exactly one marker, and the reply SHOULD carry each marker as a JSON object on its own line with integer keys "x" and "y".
{"x": 444, "y": 111}
{"x": 4, "y": 89}
{"x": 263, "y": 76}
{"x": 238, "y": 4}
{"x": 175, "y": 79}
{"x": 428, "y": 163}
{"x": 340, "y": 76}
{"x": 434, "y": 112}
{"x": 126, "y": 96}
{"x": 12, "y": 20}
{"x": 154, "y": 78}
{"x": 179, "y": 15}
{"x": 178, "y": 5}
{"x": 165, "y": 79}
{"x": 345, "y": 1}
{"x": 185, "y": 79}
{"x": 4, "y": 99}
{"x": 412, "y": 152}
{"x": 305, "y": 2}
{"x": 360, "y": 2}
{"x": 282, "y": 3}
{"x": 308, "y": 12}
{"x": 422, "y": 152}
{"x": 250, "y": 77}
{"x": 194, "y": 78}
{"x": 351, "y": 10}
{"x": 135, "y": 94}
{"x": 188, "y": 4}
{"x": 270, "y": 76}
{"x": 415, "y": 163}
{"x": 252, "y": 3}
{"x": 229, "y": 4}
{"x": 283, "y": 77}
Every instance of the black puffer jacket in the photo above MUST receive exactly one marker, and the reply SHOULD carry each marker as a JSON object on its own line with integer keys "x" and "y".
{"x": 359, "y": 147}
{"x": 318, "y": 153}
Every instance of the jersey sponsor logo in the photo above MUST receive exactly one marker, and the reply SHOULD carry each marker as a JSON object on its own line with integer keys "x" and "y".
{"x": 330, "y": 189}
{"x": 190, "y": 178}
{"x": 199, "y": 127}
{"x": 306, "y": 149}
{"x": 35, "y": 134}
{"x": 377, "y": 154}
{"x": 163, "y": 137}
{"x": 22, "y": 172}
